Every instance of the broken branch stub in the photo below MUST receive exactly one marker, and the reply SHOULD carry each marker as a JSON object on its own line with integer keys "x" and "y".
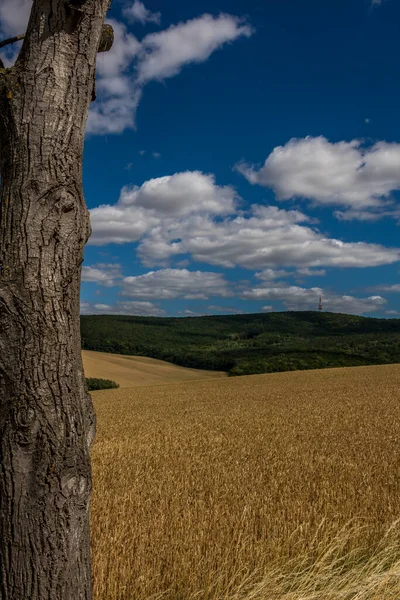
{"x": 106, "y": 39}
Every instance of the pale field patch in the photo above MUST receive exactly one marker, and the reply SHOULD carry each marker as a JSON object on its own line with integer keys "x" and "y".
{"x": 283, "y": 486}
{"x": 132, "y": 371}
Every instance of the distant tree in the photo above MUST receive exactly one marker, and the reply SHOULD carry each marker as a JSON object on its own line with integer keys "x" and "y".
{"x": 47, "y": 422}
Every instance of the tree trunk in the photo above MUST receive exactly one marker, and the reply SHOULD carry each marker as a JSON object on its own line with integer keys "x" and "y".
{"x": 47, "y": 422}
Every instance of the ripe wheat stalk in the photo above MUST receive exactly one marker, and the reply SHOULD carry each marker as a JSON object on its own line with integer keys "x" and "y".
{"x": 269, "y": 487}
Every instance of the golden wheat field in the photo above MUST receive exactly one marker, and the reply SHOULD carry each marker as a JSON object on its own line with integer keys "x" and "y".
{"x": 133, "y": 371}
{"x": 283, "y": 486}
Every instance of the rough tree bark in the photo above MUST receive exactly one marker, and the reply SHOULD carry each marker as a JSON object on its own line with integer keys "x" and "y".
{"x": 47, "y": 422}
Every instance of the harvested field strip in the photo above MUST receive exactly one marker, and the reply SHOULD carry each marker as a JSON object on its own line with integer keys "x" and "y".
{"x": 279, "y": 486}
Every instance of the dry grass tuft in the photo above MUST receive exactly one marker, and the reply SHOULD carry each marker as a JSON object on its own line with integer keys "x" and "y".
{"x": 269, "y": 487}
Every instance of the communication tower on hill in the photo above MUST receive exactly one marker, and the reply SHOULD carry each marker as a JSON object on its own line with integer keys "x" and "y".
{"x": 320, "y": 304}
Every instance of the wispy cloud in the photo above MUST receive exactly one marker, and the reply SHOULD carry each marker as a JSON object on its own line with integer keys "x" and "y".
{"x": 225, "y": 309}
{"x": 395, "y": 287}
{"x": 299, "y": 298}
{"x": 165, "y": 53}
{"x": 102, "y": 274}
{"x": 131, "y": 64}
{"x": 129, "y": 307}
{"x": 138, "y": 12}
{"x": 311, "y": 272}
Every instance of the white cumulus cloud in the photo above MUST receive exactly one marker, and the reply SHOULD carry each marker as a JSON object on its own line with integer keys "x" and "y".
{"x": 176, "y": 283}
{"x": 181, "y": 194}
{"x": 342, "y": 174}
{"x": 269, "y": 238}
{"x": 158, "y": 202}
{"x": 189, "y": 214}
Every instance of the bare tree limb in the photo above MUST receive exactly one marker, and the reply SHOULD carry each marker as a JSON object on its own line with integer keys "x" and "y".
{"x": 106, "y": 39}
{"x": 12, "y": 40}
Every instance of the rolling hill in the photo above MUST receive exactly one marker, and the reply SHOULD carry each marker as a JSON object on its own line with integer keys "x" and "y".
{"x": 249, "y": 343}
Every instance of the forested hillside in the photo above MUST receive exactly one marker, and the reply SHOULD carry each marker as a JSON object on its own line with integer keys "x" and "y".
{"x": 250, "y": 343}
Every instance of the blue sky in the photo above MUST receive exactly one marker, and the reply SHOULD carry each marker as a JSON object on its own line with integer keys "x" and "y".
{"x": 243, "y": 156}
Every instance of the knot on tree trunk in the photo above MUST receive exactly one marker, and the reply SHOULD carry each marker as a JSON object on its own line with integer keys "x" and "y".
{"x": 26, "y": 425}
{"x": 77, "y": 488}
